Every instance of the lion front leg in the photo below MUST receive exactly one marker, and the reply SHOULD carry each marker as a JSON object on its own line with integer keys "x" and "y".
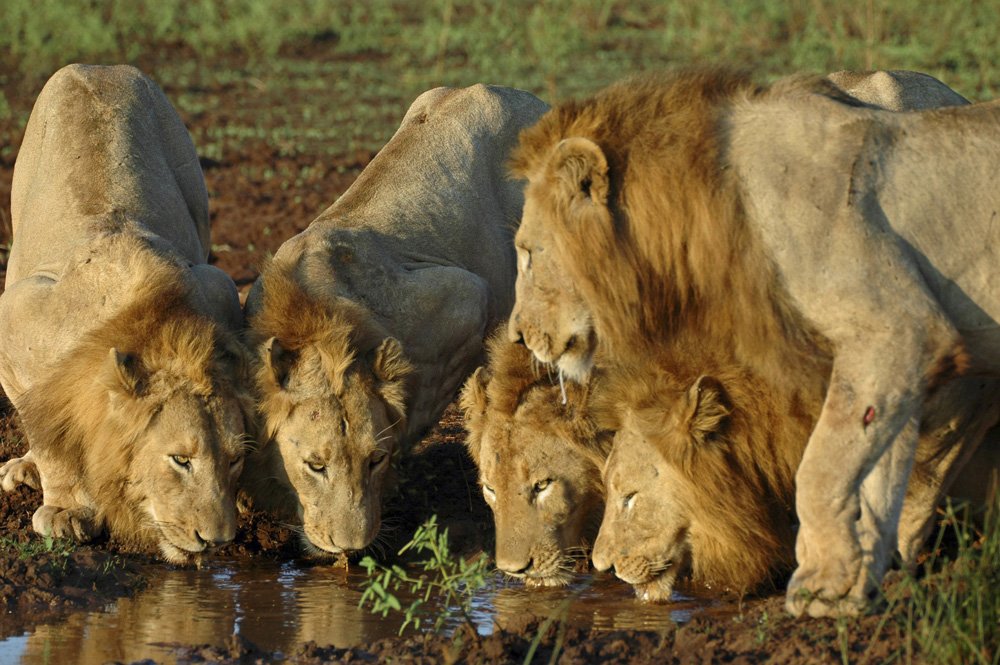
{"x": 20, "y": 471}
{"x": 850, "y": 488}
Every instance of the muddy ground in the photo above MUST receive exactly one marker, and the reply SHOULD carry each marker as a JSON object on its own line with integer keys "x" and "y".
{"x": 252, "y": 216}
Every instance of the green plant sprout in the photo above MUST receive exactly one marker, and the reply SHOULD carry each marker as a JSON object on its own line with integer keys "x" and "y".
{"x": 447, "y": 577}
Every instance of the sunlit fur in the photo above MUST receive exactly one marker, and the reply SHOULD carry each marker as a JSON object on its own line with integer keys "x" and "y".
{"x": 702, "y": 472}
{"x": 180, "y": 394}
{"x": 521, "y": 434}
{"x": 339, "y": 394}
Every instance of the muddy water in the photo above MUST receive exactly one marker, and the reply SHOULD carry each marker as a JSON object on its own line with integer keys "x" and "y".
{"x": 280, "y": 606}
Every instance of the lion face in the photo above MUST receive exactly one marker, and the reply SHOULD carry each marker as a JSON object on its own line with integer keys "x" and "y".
{"x": 335, "y": 418}
{"x": 183, "y": 477}
{"x": 336, "y": 450}
{"x": 644, "y": 534}
{"x": 683, "y": 486}
{"x": 549, "y": 316}
{"x": 545, "y": 495}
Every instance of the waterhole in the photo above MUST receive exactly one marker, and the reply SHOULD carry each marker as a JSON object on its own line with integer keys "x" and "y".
{"x": 279, "y": 606}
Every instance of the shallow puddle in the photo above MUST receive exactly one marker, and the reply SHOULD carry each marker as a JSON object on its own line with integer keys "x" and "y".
{"x": 280, "y": 606}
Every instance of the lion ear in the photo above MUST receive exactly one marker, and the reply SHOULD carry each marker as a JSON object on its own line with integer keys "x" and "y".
{"x": 706, "y": 409}
{"x": 582, "y": 169}
{"x": 391, "y": 369}
{"x": 473, "y": 402}
{"x": 279, "y": 361}
{"x": 123, "y": 374}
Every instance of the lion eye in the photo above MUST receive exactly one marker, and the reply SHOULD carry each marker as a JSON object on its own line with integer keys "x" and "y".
{"x": 542, "y": 484}
{"x": 629, "y": 500}
{"x": 317, "y": 467}
{"x": 488, "y": 491}
{"x": 236, "y": 462}
{"x": 182, "y": 461}
{"x": 378, "y": 459}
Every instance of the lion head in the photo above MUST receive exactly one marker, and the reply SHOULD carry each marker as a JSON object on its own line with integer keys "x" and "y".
{"x": 539, "y": 460}
{"x": 144, "y": 423}
{"x": 549, "y": 316}
{"x": 664, "y": 507}
{"x": 332, "y": 393}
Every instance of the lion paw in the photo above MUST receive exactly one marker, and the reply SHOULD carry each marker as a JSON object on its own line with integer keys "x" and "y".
{"x": 79, "y": 524}
{"x": 824, "y": 591}
{"x": 19, "y": 471}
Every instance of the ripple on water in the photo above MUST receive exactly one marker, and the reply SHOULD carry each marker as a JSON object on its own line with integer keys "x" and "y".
{"x": 279, "y": 606}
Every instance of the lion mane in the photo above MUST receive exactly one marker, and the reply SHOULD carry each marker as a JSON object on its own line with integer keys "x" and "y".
{"x": 678, "y": 240}
{"x": 94, "y": 411}
{"x": 336, "y": 333}
{"x": 513, "y": 383}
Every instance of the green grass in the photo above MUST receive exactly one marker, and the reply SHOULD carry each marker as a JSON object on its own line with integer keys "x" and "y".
{"x": 952, "y": 614}
{"x": 555, "y": 48}
{"x": 28, "y": 549}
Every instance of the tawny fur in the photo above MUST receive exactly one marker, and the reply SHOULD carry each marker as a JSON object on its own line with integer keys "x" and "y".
{"x": 737, "y": 464}
{"x": 521, "y": 432}
{"x": 335, "y": 334}
{"x": 80, "y": 412}
{"x": 678, "y": 251}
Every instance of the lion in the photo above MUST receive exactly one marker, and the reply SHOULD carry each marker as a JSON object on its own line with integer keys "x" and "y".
{"x": 118, "y": 343}
{"x": 545, "y": 290}
{"x": 365, "y": 324}
{"x": 644, "y": 212}
{"x": 664, "y": 516}
{"x": 540, "y": 450}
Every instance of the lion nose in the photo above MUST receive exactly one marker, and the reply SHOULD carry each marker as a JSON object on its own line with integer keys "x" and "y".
{"x": 514, "y": 335}
{"x": 601, "y": 560}
{"x": 514, "y": 569}
{"x": 210, "y": 541}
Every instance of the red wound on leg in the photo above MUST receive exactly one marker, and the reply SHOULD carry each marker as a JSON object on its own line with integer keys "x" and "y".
{"x": 869, "y": 415}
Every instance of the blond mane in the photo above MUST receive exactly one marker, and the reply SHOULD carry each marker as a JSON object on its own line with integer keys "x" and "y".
{"x": 83, "y": 412}
{"x": 748, "y": 438}
{"x": 677, "y": 237}
{"x": 519, "y": 387}
{"x": 328, "y": 336}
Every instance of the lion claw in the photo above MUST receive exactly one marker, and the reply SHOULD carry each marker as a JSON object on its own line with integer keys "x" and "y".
{"x": 19, "y": 471}
{"x": 822, "y": 595}
{"x": 77, "y": 524}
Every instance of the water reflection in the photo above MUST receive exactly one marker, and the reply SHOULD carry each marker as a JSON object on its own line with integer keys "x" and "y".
{"x": 280, "y": 606}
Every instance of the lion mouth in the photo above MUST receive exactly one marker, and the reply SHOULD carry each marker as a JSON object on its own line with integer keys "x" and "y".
{"x": 659, "y": 588}
{"x": 653, "y": 581}
{"x": 577, "y": 357}
{"x": 182, "y": 556}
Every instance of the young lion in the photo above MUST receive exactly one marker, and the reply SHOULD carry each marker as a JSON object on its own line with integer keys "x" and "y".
{"x": 668, "y": 211}
{"x": 365, "y": 324}
{"x": 539, "y": 449}
{"x": 118, "y": 342}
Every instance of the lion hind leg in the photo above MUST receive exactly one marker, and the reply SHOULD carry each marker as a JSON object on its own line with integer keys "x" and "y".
{"x": 78, "y": 523}
{"x": 20, "y": 471}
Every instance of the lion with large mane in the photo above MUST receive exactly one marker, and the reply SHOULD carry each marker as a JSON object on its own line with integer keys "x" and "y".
{"x": 365, "y": 324}
{"x": 540, "y": 448}
{"x": 118, "y": 343}
{"x": 701, "y": 202}
{"x": 680, "y": 436}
